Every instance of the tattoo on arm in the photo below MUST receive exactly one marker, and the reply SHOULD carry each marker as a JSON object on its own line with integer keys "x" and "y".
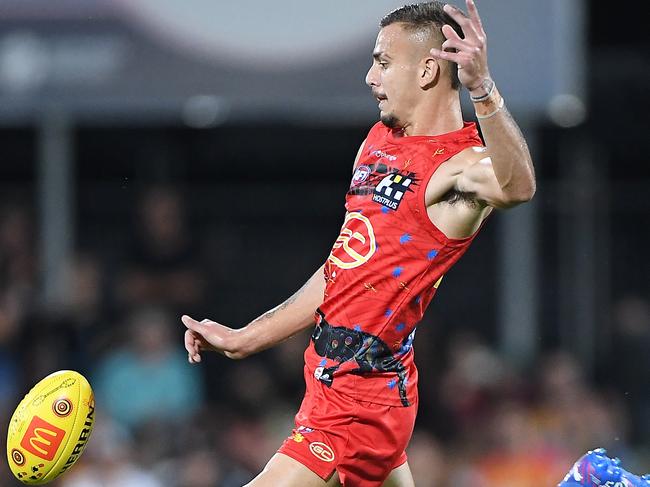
{"x": 269, "y": 314}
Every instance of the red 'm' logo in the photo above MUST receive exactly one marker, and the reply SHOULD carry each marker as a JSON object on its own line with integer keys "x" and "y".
{"x": 42, "y": 438}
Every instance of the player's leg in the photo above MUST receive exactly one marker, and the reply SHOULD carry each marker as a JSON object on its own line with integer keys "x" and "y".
{"x": 400, "y": 477}
{"x": 284, "y": 471}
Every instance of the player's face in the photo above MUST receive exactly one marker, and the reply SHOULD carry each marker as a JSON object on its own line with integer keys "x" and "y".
{"x": 393, "y": 76}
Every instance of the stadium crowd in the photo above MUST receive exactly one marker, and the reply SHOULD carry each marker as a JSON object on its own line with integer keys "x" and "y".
{"x": 162, "y": 422}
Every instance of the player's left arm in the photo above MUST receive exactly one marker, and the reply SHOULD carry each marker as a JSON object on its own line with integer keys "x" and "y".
{"x": 502, "y": 176}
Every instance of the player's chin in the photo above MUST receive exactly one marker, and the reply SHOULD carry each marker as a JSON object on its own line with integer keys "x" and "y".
{"x": 389, "y": 120}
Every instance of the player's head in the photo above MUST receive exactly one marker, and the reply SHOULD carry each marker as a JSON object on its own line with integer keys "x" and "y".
{"x": 403, "y": 72}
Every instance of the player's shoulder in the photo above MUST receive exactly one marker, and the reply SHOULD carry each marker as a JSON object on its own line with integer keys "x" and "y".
{"x": 469, "y": 156}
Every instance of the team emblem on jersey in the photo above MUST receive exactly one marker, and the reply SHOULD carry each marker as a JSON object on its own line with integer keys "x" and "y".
{"x": 360, "y": 175}
{"x": 366, "y": 177}
{"x": 391, "y": 190}
{"x": 355, "y": 244}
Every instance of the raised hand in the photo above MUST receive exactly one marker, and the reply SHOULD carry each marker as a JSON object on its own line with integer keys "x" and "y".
{"x": 471, "y": 51}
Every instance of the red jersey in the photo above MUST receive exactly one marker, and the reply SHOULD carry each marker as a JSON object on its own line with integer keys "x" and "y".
{"x": 384, "y": 268}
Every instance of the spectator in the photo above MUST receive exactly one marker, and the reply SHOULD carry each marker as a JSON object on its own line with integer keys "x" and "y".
{"x": 517, "y": 454}
{"x": 568, "y": 408}
{"x": 163, "y": 262}
{"x": 108, "y": 461}
{"x": 148, "y": 378}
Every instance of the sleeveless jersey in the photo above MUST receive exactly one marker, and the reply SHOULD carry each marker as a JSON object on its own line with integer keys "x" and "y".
{"x": 384, "y": 268}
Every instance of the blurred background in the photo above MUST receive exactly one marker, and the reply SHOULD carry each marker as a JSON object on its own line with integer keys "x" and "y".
{"x": 160, "y": 157}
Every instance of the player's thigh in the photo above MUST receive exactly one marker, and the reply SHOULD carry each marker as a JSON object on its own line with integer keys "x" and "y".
{"x": 400, "y": 477}
{"x": 284, "y": 471}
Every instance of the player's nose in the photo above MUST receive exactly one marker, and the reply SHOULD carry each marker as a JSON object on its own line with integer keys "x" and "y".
{"x": 371, "y": 77}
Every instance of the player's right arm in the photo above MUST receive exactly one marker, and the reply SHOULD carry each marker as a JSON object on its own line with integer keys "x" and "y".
{"x": 503, "y": 176}
{"x": 269, "y": 329}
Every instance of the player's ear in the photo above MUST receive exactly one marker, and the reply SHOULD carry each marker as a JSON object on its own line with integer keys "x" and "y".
{"x": 430, "y": 72}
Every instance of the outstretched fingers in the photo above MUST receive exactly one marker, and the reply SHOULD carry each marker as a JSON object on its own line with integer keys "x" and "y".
{"x": 194, "y": 338}
{"x": 462, "y": 20}
{"x": 468, "y": 50}
{"x": 471, "y": 24}
{"x": 204, "y": 335}
{"x": 475, "y": 17}
{"x": 450, "y": 34}
{"x": 191, "y": 323}
{"x": 454, "y": 41}
{"x": 461, "y": 57}
{"x": 459, "y": 45}
{"x": 193, "y": 347}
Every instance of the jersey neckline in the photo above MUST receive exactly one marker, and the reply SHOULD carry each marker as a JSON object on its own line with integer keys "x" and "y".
{"x": 467, "y": 131}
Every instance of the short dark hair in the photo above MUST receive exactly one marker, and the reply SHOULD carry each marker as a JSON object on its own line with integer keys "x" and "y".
{"x": 426, "y": 16}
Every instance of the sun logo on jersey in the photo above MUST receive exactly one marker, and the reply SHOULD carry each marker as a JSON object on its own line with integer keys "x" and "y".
{"x": 356, "y": 243}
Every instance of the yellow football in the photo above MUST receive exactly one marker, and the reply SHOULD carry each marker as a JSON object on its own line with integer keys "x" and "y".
{"x": 50, "y": 427}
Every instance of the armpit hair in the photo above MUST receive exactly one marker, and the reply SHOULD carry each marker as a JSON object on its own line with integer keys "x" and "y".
{"x": 453, "y": 197}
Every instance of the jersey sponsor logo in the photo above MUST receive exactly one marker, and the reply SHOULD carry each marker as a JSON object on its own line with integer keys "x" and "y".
{"x": 384, "y": 155}
{"x": 82, "y": 440}
{"x": 297, "y": 437}
{"x": 356, "y": 243}
{"x": 360, "y": 175}
{"x": 321, "y": 451}
{"x": 390, "y": 191}
{"x": 42, "y": 438}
